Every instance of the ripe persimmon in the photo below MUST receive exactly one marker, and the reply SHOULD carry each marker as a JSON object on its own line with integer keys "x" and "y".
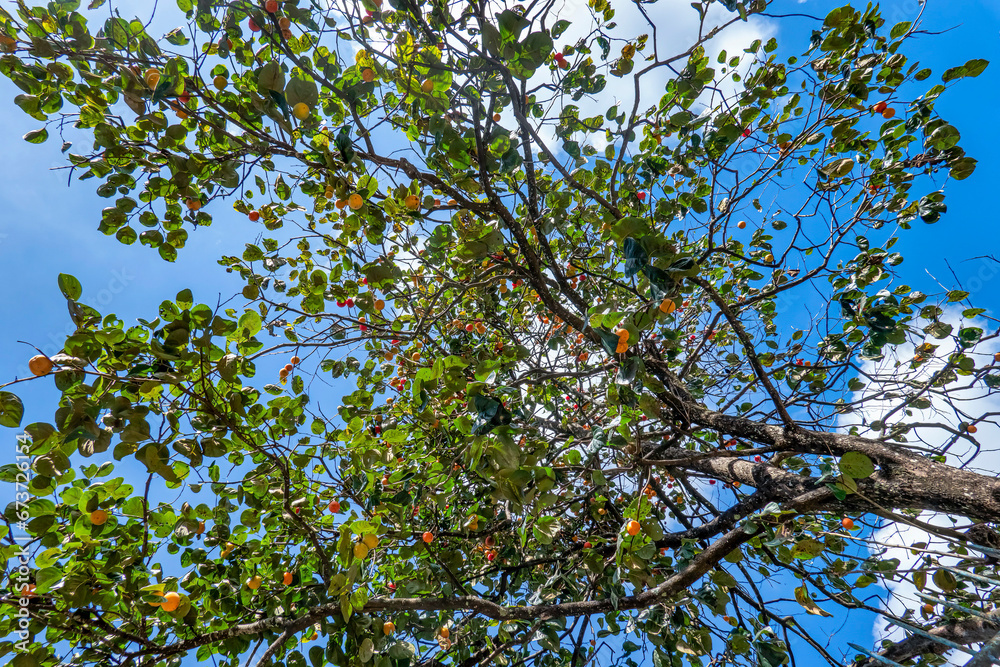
{"x": 40, "y": 365}
{"x": 171, "y": 601}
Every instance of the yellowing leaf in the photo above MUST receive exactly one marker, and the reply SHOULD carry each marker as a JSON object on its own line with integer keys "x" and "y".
{"x": 802, "y": 597}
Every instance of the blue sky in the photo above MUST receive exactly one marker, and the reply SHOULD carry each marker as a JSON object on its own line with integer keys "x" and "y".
{"x": 48, "y": 227}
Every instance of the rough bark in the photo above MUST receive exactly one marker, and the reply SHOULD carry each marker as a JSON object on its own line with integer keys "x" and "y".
{"x": 903, "y": 478}
{"x": 968, "y": 631}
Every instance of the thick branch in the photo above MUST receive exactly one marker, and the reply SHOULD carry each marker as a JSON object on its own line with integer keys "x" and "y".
{"x": 965, "y": 632}
{"x": 903, "y": 478}
{"x": 680, "y": 581}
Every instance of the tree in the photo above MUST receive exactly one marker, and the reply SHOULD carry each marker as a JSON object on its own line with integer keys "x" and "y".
{"x": 576, "y": 422}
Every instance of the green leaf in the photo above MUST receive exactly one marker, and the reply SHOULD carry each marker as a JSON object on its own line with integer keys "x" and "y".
{"x": 856, "y": 465}
{"x": 957, "y": 295}
{"x": 969, "y": 336}
{"x": 164, "y": 88}
{"x": 301, "y": 90}
{"x": 838, "y": 168}
{"x": 807, "y": 549}
{"x": 271, "y": 77}
{"x": 252, "y": 253}
{"x": 366, "y": 650}
{"x": 635, "y": 256}
{"x": 546, "y": 529}
{"x": 402, "y": 651}
{"x": 177, "y": 37}
{"x": 945, "y": 580}
{"x": 770, "y": 654}
{"x": 36, "y": 136}
{"x": 609, "y": 341}
{"x": 70, "y": 286}
{"x": 972, "y": 68}
{"x": 185, "y": 299}
{"x": 511, "y": 24}
{"x": 899, "y": 29}
{"x": 938, "y": 330}
{"x": 279, "y": 98}
{"x": 490, "y": 414}
{"x": 962, "y": 168}
{"x": 11, "y": 410}
{"x": 249, "y": 324}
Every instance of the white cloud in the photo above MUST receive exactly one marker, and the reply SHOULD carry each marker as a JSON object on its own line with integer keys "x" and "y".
{"x": 677, "y": 29}
{"x": 970, "y": 400}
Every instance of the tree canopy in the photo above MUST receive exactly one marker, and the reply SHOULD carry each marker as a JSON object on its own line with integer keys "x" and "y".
{"x": 561, "y": 341}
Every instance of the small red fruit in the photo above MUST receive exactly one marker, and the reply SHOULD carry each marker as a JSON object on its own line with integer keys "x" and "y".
{"x": 271, "y": 6}
{"x": 334, "y": 506}
{"x": 253, "y": 26}
{"x": 254, "y": 216}
{"x": 428, "y": 537}
{"x": 847, "y": 523}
